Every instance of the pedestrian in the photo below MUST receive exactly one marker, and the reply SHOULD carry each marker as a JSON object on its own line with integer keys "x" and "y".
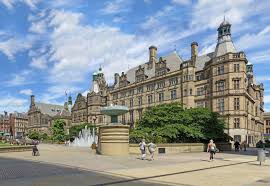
{"x": 152, "y": 149}
{"x": 236, "y": 146}
{"x": 211, "y": 148}
{"x": 142, "y": 146}
{"x": 244, "y": 146}
{"x": 263, "y": 143}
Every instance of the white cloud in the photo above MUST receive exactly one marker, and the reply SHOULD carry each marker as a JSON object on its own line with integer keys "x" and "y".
{"x": 261, "y": 56}
{"x": 12, "y": 46}
{"x": 267, "y": 99}
{"x": 253, "y": 41}
{"x": 11, "y": 3}
{"x": 181, "y": 2}
{"x": 155, "y": 20}
{"x": 22, "y": 78}
{"x": 209, "y": 14}
{"x": 38, "y": 27}
{"x": 116, "y": 6}
{"x": 27, "y": 92}
{"x": 39, "y": 62}
{"x": 10, "y": 104}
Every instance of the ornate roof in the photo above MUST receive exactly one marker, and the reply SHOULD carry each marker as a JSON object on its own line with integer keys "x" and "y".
{"x": 50, "y": 109}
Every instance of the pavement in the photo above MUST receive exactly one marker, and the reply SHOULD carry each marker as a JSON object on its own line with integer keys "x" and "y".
{"x": 178, "y": 169}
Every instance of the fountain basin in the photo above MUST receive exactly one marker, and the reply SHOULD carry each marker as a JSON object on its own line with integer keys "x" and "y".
{"x": 114, "y": 111}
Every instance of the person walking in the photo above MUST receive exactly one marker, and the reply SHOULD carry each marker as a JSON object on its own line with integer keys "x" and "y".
{"x": 236, "y": 146}
{"x": 152, "y": 149}
{"x": 211, "y": 148}
{"x": 142, "y": 146}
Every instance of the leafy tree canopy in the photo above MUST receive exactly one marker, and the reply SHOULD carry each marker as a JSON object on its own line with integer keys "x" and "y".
{"x": 172, "y": 123}
{"x": 58, "y": 131}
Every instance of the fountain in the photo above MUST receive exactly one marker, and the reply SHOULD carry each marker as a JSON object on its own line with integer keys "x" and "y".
{"x": 85, "y": 138}
{"x": 114, "y": 138}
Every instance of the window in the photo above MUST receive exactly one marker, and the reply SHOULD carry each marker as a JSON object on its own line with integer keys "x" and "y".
{"x": 115, "y": 96}
{"x": 140, "y": 101}
{"x": 200, "y": 91}
{"x": 150, "y": 99}
{"x": 236, "y": 103}
{"x": 236, "y": 67}
{"x": 236, "y": 84}
{"x": 190, "y": 92}
{"x": 200, "y": 104}
{"x": 131, "y": 102}
{"x": 220, "y": 70}
{"x": 160, "y": 84}
{"x": 173, "y": 94}
{"x": 131, "y": 116}
{"x": 220, "y": 104}
{"x": 161, "y": 97}
{"x": 185, "y": 92}
{"x": 237, "y": 138}
{"x": 150, "y": 87}
{"x": 140, "y": 90}
{"x": 256, "y": 111}
{"x": 220, "y": 85}
{"x": 123, "y": 103}
{"x": 236, "y": 123}
{"x": 131, "y": 92}
{"x": 173, "y": 81}
{"x": 199, "y": 77}
{"x": 123, "y": 94}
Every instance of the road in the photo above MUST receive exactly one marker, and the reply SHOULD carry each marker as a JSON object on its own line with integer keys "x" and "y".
{"x": 26, "y": 173}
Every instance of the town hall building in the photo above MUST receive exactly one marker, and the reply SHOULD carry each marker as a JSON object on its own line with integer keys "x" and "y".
{"x": 222, "y": 81}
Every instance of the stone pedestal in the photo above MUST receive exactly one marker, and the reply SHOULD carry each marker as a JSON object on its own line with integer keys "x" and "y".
{"x": 113, "y": 140}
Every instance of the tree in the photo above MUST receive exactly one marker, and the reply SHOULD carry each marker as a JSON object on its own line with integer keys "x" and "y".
{"x": 172, "y": 123}
{"x": 58, "y": 131}
{"x": 34, "y": 135}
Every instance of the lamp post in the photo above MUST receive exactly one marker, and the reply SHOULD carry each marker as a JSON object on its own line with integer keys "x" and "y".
{"x": 94, "y": 136}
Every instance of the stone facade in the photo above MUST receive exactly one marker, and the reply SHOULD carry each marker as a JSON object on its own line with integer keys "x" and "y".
{"x": 87, "y": 109}
{"x": 4, "y": 123}
{"x": 222, "y": 80}
{"x": 266, "y": 122}
{"x": 42, "y": 115}
{"x": 18, "y": 123}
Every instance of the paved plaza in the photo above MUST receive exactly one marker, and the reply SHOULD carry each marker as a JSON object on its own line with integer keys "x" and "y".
{"x": 61, "y": 165}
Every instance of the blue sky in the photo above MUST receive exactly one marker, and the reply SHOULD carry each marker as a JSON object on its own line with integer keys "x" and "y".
{"x": 49, "y": 47}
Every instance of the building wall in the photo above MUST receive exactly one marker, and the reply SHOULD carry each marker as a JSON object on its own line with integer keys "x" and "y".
{"x": 267, "y": 123}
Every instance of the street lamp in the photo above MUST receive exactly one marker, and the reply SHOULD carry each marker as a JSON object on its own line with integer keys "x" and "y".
{"x": 94, "y": 136}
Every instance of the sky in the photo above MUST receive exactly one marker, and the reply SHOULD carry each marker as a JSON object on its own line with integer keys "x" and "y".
{"x": 49, "y": 47}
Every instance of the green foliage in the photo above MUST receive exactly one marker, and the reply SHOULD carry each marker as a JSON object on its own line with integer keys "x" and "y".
{"x": 34, "y": 135}
{"x": 172, "y": 123}
{"x": 58, "y": 131}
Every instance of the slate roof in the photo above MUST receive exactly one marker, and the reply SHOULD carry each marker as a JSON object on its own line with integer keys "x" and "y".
{"x": 201, "y": 60}
{"x": 173, "y": 61}
{"x": 49, "y": 109}
{"x": 224, "y": 46}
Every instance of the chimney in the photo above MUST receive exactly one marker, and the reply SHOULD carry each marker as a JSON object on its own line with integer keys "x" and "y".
{"x": 32, "y": 100}
{"x": 116, "y": 78}
{"x": 152, "y": 54}
{"x": 194, "y": 50}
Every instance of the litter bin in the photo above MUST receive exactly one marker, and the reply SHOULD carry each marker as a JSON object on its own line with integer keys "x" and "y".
{"x": 261, "y": 156}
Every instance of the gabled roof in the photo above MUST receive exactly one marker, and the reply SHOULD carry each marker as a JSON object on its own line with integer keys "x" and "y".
{"x": 173, "y": 61}
{"x": 49, "y": 109}
{"x": 201, "y": 60}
